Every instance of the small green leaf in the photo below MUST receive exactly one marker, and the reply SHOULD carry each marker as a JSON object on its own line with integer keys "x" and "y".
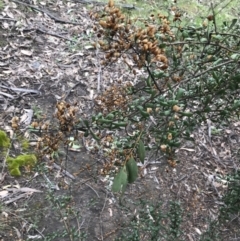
{"x": 234, "y": 56}
{"x": 189, "y": 114}
{"x": 162, "y": 45}
{"x": 110, "y": 116}
{"x": 203, "y": 40}
{"x": 141, "y": 151}
{"x": 116, "y": 187}
{"x": 120, "y": 124}
{"x": 172, "y": 102}
{"x": 232, "y": 24}
{"x": 174, "y": 143}
{"x": 180, "y": 93}
{"x": 106, "y": 121}
{"x": 94, "y": 135}
{"x": 167, "y": 112}
{"x": 236, "y": 104}
{"x": 86, "y": 122}
{"x": 120, "y": 180}
{"x": 149, "y": 82}
{"x": 132, "y": 170}
{"x": 144, "y": 114}
{"x": 163, "y": 103}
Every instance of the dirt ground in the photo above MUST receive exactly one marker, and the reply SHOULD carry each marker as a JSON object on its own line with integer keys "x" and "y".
{"x": 46, "y": 50}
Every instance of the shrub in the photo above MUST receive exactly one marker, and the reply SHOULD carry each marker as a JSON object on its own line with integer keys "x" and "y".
{"x": 190, "y": 75}
{"x": 152, "y": 223}
{"x": 231, "y": 198}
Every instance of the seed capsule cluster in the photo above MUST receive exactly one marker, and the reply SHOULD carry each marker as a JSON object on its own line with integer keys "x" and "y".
{"x": 121, "y": 35}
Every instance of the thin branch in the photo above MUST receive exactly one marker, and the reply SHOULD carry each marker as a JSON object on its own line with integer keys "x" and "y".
{"x": 92, "y": 189}
{"x": 47, "y": 13}
{"x": 212, "y": 44}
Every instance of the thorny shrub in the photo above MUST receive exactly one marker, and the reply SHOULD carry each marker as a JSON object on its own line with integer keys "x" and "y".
{"x": 232, "y": 198}
{"x": 152, "y": 223}
{"x": 190, "y": 74}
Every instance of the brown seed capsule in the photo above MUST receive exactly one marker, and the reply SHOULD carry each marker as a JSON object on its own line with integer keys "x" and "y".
{"x": 176, "y": 108}
{"x": 110, "y": 3}
{"x": 163, "y": 148}
{"x": 149, "y": 110}
{"x": 169, "y": 137}
{"x": 172, "y": 163}
{"x": 34, "y": 124}
{"x": 210, "y": 18}
{"x": 145, "y": 47}
{"x": 103, "y": 24}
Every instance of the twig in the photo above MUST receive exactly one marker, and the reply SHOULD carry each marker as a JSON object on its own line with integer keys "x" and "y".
{"x": 16, "y": 198}
{"x": 25, "y": 221}
{"x": 8, "y": 19}
{"x": 4, "y": 164}
{"x": 53, "y": 34}
{"x": 92, "y": 189}
{"x": 63, "y": 171}
{"x": 50, "y": 183}
{"x": 101, "y": 217}
{"x": 99, "y": 71}
{"x": 212, "y": 44}
{"x": 69, "y": 91}
{"x": 46, "y": 12}
{"x": 65, "y": 223}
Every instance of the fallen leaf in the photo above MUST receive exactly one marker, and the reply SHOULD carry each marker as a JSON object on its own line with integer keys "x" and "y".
{"x": 3, "y": 194}
{"x": 26, "y": 52}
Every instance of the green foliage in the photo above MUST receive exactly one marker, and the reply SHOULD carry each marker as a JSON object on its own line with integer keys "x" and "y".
{"x": 4, "y": 140}
{"x": 231, "y": 198}
{"x": 120, "y": 181}
{"x": 37, "y": 112}
{"x": 25, "y": 144}
{"x": 14, "y": 164}
{"x": 152, "y": 223}
{"x": 132, "y": 170}
{"x": 127, "y": 174}
{"x": 175, "y": 216}
{"x": 62, "y": 206}
{"x": 212, "y": 233}
{"x": 230, "y": 207}
{"x": 192, "y": 75}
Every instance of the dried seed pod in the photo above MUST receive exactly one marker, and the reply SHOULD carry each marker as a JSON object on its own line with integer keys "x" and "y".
{"x": 163, "y": 148}
{"x": 110, "y": 3}
{"x": 149, "y": 45}
{"x": 34, "y": 124}
{"x": 210, "y": 18}
{"x": 145, "y": 47}
{"x": 103, "y": 24}
{"x": 176, "y": 108}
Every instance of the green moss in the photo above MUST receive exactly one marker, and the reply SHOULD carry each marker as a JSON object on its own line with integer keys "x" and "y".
{"x": 15, "y": 172}
{"x": 4, "y": 140}
{"x": 22, "y": 160}
{"x": 25, "y": 144}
